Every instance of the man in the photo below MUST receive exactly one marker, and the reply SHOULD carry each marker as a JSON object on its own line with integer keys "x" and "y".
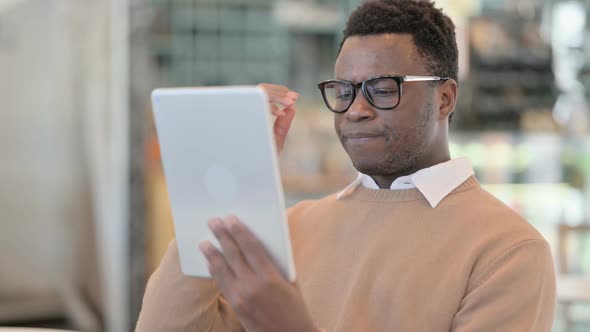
{"x": 414, "y": 244}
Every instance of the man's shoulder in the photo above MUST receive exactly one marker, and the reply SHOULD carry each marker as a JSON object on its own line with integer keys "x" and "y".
{"x": 487, "y": 207}
{"x": 490, "y": 223}
{"x": 493, "y": 236}
{"x": 305, "y": 206}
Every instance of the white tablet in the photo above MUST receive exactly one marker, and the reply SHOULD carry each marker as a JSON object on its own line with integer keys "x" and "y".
{"x": 219, "y": 158}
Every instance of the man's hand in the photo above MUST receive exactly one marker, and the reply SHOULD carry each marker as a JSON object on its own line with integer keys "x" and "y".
{"x": 246, "y": 275}
{"x": 282, "y": 104}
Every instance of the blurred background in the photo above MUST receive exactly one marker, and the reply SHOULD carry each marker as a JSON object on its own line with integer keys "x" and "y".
{"x": 84, "y": 212}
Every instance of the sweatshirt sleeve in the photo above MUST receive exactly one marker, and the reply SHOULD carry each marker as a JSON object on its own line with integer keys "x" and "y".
{"x": 515, "y": 292}
{"x": 174, "y": 302}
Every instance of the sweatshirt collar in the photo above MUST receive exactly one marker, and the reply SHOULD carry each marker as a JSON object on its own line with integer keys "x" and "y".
{"x": 434, "y": 183}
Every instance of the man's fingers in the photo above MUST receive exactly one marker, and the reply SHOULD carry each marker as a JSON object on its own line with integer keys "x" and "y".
{"x": 218, "y": 267}
{"x": 276, "y": 111}
{"x": 279, "y": 94}
{"x": 231, "y": 252}
{"x": 285, "y": 100}
{"x": 274, "y": 87}
{"x": 254, "y": 251}
{"x": 282, "y": 125}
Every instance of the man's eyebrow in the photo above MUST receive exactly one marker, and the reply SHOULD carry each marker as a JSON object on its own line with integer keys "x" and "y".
{"x": 366, "y": 78}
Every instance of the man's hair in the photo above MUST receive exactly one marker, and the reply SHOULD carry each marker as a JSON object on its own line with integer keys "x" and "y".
{"x": 432, "y": 30}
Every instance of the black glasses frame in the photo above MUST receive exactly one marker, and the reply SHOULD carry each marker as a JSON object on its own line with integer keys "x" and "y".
{"x": 363, "y": 87}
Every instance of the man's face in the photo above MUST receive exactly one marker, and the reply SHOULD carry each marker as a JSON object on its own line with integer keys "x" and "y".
{"x": 386, "y": 142}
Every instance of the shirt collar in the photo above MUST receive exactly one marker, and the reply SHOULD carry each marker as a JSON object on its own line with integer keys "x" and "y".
{"x": 435, "y": 182}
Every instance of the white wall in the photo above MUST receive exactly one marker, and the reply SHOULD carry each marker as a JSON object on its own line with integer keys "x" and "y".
{"x": 63, "y": 151}
{"x": 42, "y": 167}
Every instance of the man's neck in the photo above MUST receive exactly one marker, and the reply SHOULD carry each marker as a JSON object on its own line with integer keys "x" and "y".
{"x": 385, "y": 181}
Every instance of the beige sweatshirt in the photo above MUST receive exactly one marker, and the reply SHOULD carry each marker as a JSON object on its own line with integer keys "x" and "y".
{"x": 384, "y": 260}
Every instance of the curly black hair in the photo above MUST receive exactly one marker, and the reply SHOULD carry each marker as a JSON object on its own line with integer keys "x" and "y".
{"x": 432, "y": 30}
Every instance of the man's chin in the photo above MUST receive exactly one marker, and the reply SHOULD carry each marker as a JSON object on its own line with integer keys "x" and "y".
{"x": 382, "y": 167}
{"x": 369, "y": 167}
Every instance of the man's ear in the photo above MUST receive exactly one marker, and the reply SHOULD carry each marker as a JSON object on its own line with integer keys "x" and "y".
{"x": 447, "y": 98}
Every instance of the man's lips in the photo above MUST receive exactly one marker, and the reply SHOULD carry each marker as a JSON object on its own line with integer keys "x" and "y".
{"x": 360, "y": 135}
{"x": 362, "y": 138}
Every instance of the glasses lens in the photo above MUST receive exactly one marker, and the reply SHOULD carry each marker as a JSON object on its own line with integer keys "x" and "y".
{"x": 338, "y": 95}
{"x": 384, "y": 92}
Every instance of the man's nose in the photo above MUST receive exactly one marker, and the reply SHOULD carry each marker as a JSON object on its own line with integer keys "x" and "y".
{"x": 360, "y": 109}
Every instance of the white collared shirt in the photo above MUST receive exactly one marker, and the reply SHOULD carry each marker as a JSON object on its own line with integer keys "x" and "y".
{"x": 435, "y": 182}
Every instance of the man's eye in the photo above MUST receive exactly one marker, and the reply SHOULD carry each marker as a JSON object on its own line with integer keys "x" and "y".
{"x": 344, "y": 96}
{"x": 384, "y": 92}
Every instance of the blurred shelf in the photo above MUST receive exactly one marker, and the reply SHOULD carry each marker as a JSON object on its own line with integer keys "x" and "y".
{"x": 218, "y": 42}
{"x": 573, "y": 288}
{"x": 511, "y": 73}
{"x": 310, "y": 17}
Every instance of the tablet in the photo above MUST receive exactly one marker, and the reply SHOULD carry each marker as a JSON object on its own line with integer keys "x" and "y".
{"x": 219, "y": 158}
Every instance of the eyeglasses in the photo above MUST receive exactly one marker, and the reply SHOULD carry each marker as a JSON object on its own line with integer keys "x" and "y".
{"x": 383, "y": 92}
